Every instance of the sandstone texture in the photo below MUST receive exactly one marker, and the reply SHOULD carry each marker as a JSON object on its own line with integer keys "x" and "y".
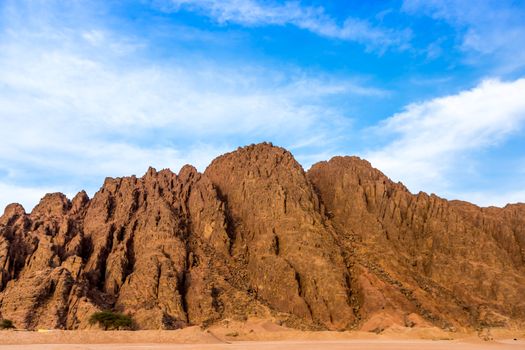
{"x": 338, "y": 247}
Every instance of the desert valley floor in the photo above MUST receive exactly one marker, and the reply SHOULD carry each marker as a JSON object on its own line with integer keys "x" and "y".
{"x": 288, "y": 345}
{"x": 262, "y": 335}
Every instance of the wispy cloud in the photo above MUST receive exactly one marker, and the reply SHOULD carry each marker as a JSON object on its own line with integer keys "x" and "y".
{"x": 430, "y": 139}
{"x": 313, "y": 19}
{"x": 486, "y": 27}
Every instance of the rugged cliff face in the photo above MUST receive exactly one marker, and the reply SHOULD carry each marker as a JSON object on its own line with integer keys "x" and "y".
{"x": 288, "y": 250}
{"x": 338, "y": 247}
{"x": 451, "y": 262}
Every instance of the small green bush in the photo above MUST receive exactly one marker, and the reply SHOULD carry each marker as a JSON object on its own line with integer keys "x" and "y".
{"x": 111, "y": 320}
{"x": 6, "y": 324}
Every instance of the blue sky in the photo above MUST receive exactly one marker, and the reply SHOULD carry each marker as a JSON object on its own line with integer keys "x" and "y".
{"x": 431, "y": 92}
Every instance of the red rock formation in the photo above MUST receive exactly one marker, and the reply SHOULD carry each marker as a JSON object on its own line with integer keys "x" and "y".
{"x": 338, "y": 247}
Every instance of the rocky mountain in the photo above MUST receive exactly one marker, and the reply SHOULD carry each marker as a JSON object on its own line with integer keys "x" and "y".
{"x": 337, "y": 247}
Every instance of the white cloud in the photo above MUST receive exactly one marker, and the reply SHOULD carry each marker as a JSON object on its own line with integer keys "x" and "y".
{"x": 432, "y": 138}
{"x": 63, "y": 90}
{"x": 313, "y": 19}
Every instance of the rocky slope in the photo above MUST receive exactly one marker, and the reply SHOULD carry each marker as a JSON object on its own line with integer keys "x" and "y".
{"x": 339, "y": 247}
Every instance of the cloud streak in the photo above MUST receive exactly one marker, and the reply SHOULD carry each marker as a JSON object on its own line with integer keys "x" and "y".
{"x": 314, "y": 19}
{"x": 488, "y": 28}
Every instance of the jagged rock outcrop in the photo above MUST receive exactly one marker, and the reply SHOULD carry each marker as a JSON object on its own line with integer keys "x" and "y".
{"x": 339, "y": 247}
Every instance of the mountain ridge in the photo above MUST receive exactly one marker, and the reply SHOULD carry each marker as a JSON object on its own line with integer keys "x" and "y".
{"x": 339, "y": 246}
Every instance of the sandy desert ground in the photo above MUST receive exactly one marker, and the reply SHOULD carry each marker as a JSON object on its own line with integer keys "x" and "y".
{"x": 259, "y": 335}
{"x": 288, "y": 345}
